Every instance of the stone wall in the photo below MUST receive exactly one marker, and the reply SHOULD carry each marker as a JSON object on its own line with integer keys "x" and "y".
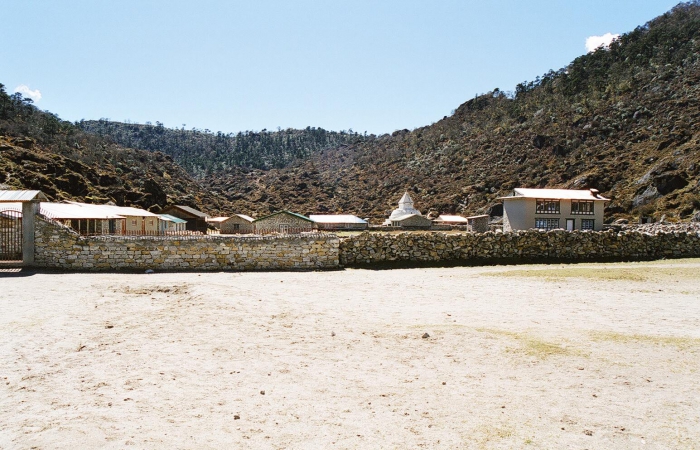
{"x": 59, "y": 247}
{"x": 517, "y": 246}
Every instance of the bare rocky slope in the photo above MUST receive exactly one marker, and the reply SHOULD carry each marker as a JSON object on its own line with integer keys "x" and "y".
{"x": 623, "y": 120}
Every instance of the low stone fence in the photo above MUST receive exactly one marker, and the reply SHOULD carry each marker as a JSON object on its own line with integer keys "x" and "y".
{"x": 369, "y": 249}
{"x": 58, "y": 247}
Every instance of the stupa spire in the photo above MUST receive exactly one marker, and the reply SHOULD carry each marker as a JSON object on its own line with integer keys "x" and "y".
{"x": 405, "y": 208}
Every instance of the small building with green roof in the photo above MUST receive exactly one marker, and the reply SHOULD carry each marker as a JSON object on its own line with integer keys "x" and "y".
{"x": 170, "y": 224}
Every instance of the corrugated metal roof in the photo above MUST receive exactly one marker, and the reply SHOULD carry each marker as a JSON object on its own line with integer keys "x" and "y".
{"x": 240, "y": 216}
{"x": 302, "y": 217}
{"x": 21, "y": 196}
{"x": 217, "y": 219}
{"x": 11, "y": 207}
{"x": 170, "y": 218}
{"x": 569, "y": 194}
{"x": 448, "y": 218}
{"x": 336, "y": 218}
{"x": 118, "y": 210}
{"x": 76, "y": 211}
{"x": 191, "y": 211}
{"x": 408, "y": 216}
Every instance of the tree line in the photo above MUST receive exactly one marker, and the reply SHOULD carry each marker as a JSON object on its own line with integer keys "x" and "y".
{"x": 203, "y": 152}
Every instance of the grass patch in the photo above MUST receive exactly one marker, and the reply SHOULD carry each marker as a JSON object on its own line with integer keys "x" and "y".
{"x": 533, "y": 346}
{"x": 542, "y": 349}
{"x": 486, "y": 436}
{"x": 670, "y": 261}
{"x": 622, "y": 338}
{"x": 583, "y": 272}
{"x": 603, "y": 273}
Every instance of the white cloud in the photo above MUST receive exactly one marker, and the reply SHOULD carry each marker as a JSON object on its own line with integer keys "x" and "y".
{"x": 24, "y": 89}
{"x": 594, "y": 42}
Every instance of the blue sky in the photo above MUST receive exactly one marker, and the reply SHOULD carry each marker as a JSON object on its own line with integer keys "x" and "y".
{"x": 366, "y": 65}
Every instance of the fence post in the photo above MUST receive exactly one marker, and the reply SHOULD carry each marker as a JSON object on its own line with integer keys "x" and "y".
{"x": 29, "y": 210}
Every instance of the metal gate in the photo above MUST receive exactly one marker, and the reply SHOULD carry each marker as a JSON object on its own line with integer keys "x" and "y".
{"x": 10, "y": 236}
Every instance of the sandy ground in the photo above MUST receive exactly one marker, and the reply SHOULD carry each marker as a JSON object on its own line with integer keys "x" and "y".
{"x": 598, "y": 356}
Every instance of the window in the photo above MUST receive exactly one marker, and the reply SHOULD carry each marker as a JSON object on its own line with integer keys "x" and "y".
{"x": 587, "y": 224}
{"x": 236, "y": 226}
{"x": 133, "y": 221}
{"x": 581, "y": 207}
{"x": 546, "y": 224}
{"x": 547, "y": 207}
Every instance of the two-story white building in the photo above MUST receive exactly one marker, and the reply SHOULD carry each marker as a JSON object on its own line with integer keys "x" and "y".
{"x": 549, "y": 209}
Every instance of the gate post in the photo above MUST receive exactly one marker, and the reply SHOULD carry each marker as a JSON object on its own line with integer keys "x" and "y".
{"x": 29, "y": 210}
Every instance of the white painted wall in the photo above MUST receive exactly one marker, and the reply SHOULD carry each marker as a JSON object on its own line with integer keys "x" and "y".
{"x": 519, "y": 214}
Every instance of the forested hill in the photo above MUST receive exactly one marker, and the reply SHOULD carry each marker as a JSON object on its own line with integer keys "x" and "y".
{"x": 203, "y": 153}
{"x": 625, "y": 120}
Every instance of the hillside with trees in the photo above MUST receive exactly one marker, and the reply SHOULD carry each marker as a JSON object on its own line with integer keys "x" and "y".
{"x": 203, "y": 152}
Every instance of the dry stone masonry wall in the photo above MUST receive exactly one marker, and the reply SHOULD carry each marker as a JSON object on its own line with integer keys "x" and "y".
{"x": 60, "y": 248}
{"x": 531, "y": 245}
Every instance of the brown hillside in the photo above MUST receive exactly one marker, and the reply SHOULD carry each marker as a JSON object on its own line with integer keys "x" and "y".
{"x": 623, "y": 120}
{"x": 123, "y": 176}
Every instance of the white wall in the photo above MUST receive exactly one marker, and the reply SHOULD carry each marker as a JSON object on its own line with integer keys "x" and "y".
{"x": 519, "y": 214}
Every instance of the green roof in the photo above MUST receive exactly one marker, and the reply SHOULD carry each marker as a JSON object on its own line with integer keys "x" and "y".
{"x": 173, "y": 218}
{"x": 284, "y": 211}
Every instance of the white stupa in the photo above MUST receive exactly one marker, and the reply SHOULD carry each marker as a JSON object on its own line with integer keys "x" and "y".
{"x": 405, "y": 208}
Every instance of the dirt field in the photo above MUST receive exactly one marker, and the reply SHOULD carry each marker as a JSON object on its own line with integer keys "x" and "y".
{"x": 597, "y": 356}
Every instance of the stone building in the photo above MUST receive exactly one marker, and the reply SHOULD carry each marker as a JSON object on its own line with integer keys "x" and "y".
{"x": 478, "y": 224}
{"x": 237, "y": 224}
{"x": 285, "y": 222}
{"x": 216, "y": 221}
{"x": 339, "y": 222}
{"x": 412, "y": 221}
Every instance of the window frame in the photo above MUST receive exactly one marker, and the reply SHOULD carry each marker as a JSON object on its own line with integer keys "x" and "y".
{"x": 547, "y": 206}
{"x": 585, "y": 227}
{"x": 548, "y": 221}
{"x": 584, "y": 212}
